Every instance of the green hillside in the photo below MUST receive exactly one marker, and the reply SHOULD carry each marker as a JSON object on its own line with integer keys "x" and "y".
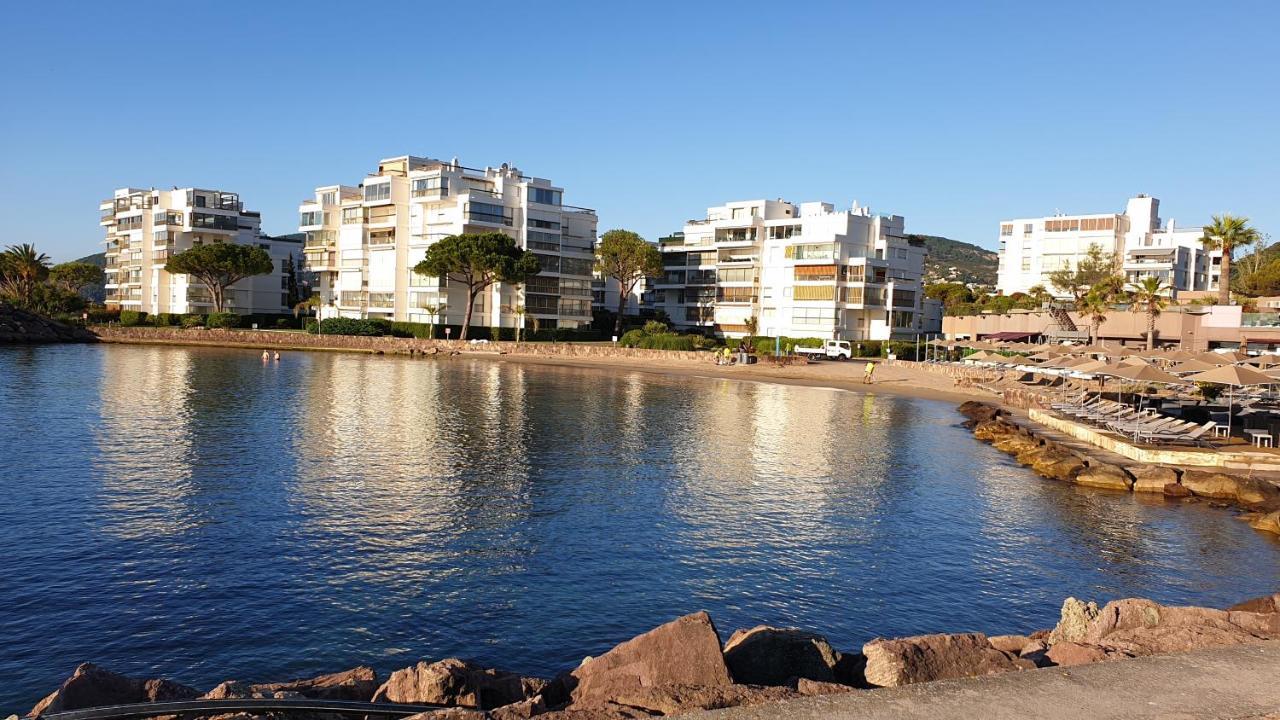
{"x": 97, "y": 293}
{"x": 955, "y": 261}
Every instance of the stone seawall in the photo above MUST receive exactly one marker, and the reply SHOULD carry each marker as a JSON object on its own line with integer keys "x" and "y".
{"x": 385, "y": 344}
{"x": 1257, "y": 499}
{"x": 685, "y": 666}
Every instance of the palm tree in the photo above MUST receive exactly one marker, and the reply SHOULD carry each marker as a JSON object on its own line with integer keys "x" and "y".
{"x": 433, "y": 311}
{"x": 1150, "y": 295}
{"x": 1039, "y": 295}
{"x": 1094, "y": 306}
{"x": 22, "y": 267}
{"x": 520, "y": 312}
{"x": 1226, "y": 233}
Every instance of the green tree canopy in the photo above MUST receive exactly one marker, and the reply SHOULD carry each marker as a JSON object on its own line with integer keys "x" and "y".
{"x": 950, "y": 293}
{"x": 478, "y": 260}
{"x": 1226, "y": 233}
{"x": 220, "y": 265}
{"x": 75, "y": 276}
{"x": 22, "y": 269}
{"x": 626, "y": 257}
{"x": 1264, "y": 281}
{"x": 1097, "y": 266}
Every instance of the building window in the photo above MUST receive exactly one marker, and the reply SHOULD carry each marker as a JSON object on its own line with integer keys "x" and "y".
{"x": 545, "y": 196}
{"x": 544, "y": 224}
{"x": 1006, "y": 229}
{"x": 737, "y": 275}
{"x": 328, "y": 198}
{"x": 1026, "y": 264}
{"x": 815, "y": 273}
{"x": 817, "y": 251}
{"x": 314, "y": 217}
{"x": 737, "y": 213}
{"x": 209, "y": 221}
{"x": 782, "y": 232}
{"x": 815, "y": 292}
{"x": 352, "y": 216}
{"x": 813, "y": 316}
{"x": 377, "y": 192}
{"x": 431, "y": 186}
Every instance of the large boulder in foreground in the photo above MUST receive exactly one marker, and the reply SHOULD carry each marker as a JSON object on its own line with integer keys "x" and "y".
{"x": 1264, "y": 604}
{"x": 685, "y": 651}
{"x": 458, "y": 683}
{"x": 1135, "y": 627}
{"x": 1105, "y": 476}
{"x": 93, "y": 686}
{"x": 767, "y": 655}
{"x": 1235, "y": 488}
{"x": 925, "y": 658}
{"x": 1151, "y": 478}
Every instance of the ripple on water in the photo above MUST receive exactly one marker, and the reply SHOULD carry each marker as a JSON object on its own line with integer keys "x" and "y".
{"x": 197, "y": 514}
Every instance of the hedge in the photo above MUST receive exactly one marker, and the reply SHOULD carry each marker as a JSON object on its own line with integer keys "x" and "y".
{"x": 222, "y": 320}
{"x": 130, "y": 318}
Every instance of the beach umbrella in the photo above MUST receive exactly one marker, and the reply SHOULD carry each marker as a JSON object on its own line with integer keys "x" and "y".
{"x": 1190, "y": 366}
{"x": 1134, "y": 360}
{"x": 1233, "y": 376}
{"x": 1144, "y": 374}
{"x": 1214, "y": 358}
{"x": 1179, "y": 356}
{"x": 1045, "y": 355}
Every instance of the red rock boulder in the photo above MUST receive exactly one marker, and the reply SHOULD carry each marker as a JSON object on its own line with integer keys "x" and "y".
{"x": 924, "y": 658}
{"x": 777, "y": 656}
{"x": 91, "y": 686}
{"x": 455, "y": 682}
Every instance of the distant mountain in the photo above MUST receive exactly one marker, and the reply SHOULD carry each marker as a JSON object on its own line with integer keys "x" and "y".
{"x": 955, "y": 261}
{"x": 96, "y": 293}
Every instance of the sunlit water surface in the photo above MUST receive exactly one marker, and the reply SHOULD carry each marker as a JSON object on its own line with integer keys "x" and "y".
{"x": 201, "y": 515}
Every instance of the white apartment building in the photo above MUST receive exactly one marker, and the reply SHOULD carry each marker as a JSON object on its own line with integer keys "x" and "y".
{"x": 145, "y": 227}
{"x": 800, "y": 271}
{"x": 1032, "y": 248}
{"x": 364, "y": 241}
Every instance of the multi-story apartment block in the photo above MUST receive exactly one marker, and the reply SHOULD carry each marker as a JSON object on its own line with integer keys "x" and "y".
{"x": 1032, "y": 248}
{"x": 145, "y": 227}
{"x": 364, "y": 241}
{"x": 799, "y": 271}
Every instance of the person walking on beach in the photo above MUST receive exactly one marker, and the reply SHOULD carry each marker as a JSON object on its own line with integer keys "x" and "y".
{"x": 867, "y": 372}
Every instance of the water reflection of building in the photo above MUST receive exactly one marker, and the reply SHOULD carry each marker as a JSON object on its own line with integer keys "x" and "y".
{"x": 144, "y": 442}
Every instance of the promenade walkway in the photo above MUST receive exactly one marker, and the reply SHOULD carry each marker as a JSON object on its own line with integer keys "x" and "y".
{"x": 1224, "y": 684}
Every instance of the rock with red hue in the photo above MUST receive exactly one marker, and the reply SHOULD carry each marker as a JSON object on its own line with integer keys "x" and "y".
{"x": 775, "y": 656}
{"x": 519, "y": 711}
{"x": 992, "y": 430}
{"x": 1105, "y": 476}
{"x": 851, "y": 670}
{"x": 450, "y": 714}
{"x": 924, "y": 658}
{"x": 357, "y": 684}
{"x": 1136, "y": 627}
{"x": 1009, "y": 643}
{"x": 978, "y": 412}
{"x": 459, "y": 683}
{"x": 1066, "y": 654}
{"x": 809, "y": 688}
{"x": 1057, "y": 464}
{"x": 604, "y": 712}
{"x": 229, "y": 690}
{"x": 92, "y": 686}
{"x": 665, "y": 700}
{"x": 1151, "y": 478}
{"x": 685, "y": 651}
{"x": 1264, "y": 604}
{"x": 1176, "y": 490}
{"x": 1036, "y": 651}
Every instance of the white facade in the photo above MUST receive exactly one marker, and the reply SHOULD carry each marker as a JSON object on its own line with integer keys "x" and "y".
{"x": 145, "y": 227}
{"x": 1032, "y": 248}
{"x": 364, "y": 241}
{"x": 800, "y": 271}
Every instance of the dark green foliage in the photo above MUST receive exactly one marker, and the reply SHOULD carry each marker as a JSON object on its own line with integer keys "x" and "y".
{"x": 224, "y": 320}
{"x": 164, "y": 319}
{"x": 654, "y": 336}
{"x": 192, "y": 320}
{"x": 352, "y": 326}
{"x": 131, "y": 318}
{"x": 478, "y": 261}
{"x": 219, "y": 265}
{"x": 283, "y": 323}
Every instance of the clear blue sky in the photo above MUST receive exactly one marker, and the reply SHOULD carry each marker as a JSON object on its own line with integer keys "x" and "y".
{"x": 953, "y": 114}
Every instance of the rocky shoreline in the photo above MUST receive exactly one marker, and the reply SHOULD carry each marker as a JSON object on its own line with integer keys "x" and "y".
{"x": 1257, "y": 500}
{"x": 21, "y": 327}
{"x": 682, "y": 667}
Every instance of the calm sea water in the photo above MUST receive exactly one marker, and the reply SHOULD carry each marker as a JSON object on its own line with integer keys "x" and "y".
{"x": 199, "y": 515}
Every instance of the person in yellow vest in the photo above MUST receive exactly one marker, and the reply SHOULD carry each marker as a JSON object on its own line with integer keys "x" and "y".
{"x": 728, "y": 356}
{"x": 867, "y": 372}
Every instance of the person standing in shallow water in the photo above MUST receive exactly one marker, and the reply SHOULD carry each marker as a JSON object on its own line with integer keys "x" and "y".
{"x": 867, "y": 372}
{"x": 265, "y": 356}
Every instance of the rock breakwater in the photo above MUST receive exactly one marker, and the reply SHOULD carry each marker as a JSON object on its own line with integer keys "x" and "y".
{"x": 682, "y": 667}
{"x": 1258, "y": 500}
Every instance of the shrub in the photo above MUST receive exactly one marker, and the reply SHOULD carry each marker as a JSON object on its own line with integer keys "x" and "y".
{"x": 352, "y": 326}
{"x": 192, "y": 320}
{"x": 631, "y": 338}
{"x": 422, "y": 331}
{"x": 130, "y": 318}
{"x": 312, "y": 326}
{"x": 102, "y": 315}
{"x": 222, "y": 320}
{"x": 655, "y": 327}
{"x": 667, "y": 341}
{"x": 283, "y": 323}
{"x": 164, "y": 319}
